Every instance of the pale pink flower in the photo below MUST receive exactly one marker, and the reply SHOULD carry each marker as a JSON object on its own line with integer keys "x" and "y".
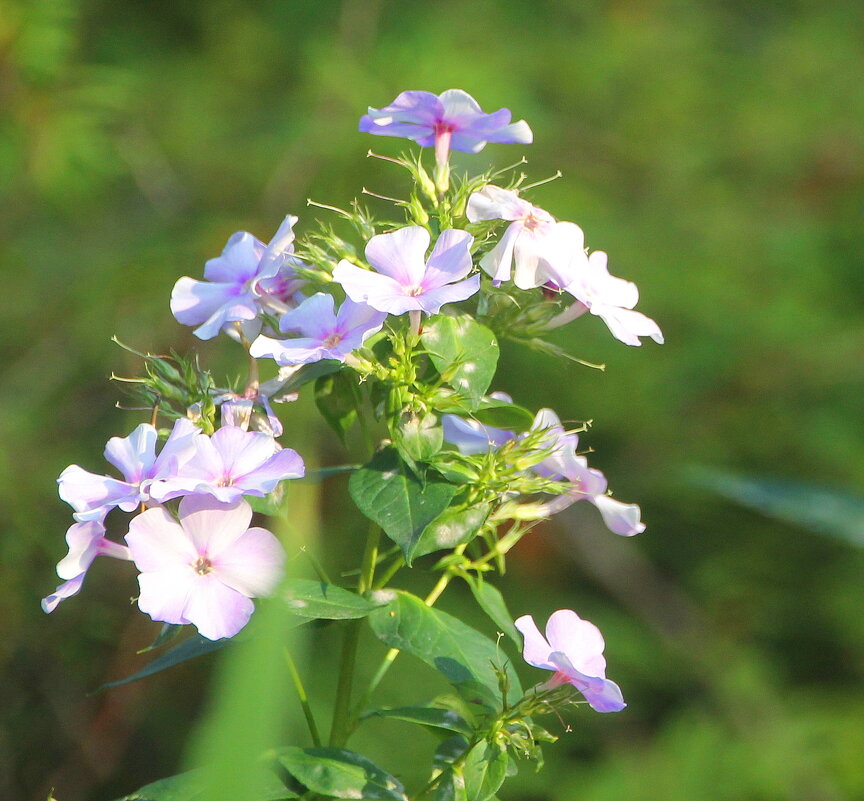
{"x": 206, "y": 568}
{"x": 573, "y": 649}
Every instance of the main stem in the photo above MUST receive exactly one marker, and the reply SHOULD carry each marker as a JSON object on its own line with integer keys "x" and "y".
{"x": 340, "y": 728}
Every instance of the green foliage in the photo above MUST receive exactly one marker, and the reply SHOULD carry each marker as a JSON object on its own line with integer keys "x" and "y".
{"x": 338, "y": 773}
{"x": 319, "y": 600}
{"x": 465, "y": 657}
{"x": 428, "y": 716}
{"x": 464, "y": 353}
{"x": 336, "y": 399}
{"x": 397, "y": 500}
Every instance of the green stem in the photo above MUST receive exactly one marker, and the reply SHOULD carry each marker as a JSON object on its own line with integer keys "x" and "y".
{"x": 390, "y": 656}
{"x": 391, "y": 571}
{"x": 304, "y": 700}
{"x": 341, "y": 726}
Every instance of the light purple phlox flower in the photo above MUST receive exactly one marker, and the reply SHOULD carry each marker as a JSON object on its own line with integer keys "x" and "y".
{"x": 206, "y": 568}
{"x": 324, "y": 334}
{"x": 86, "y": 541}
{"x": 451, "y": 120}
{"x": 93, "y": 496}
{"x": 610, "y": 298}
{"x": 535, "y": 249}
{"x": 573, "y": 649}
{"x": 560, "y": 462}
{"x": 586, "y": 483}
{"x": 246, "y": 278}
{"x": 403, "y": 280}
{"x": 232, "y": 463}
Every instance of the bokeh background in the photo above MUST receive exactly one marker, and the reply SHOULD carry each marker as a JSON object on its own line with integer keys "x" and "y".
{"x": 715, "y": 149}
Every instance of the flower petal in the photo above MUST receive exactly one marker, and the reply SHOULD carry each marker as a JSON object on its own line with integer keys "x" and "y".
{"x": 213, "y": 526}
{"x": 216, "y": 609}
{"x": 535, "y": 650}
{"x": 579, "y": 639}
{"x": 164, "y": 594}
{"x": 157, "y": 542}
{"x": 450, "y": 259}
{"x": 313, "y": 318}
{"x": 400, "y": 254}
{"x": 134, "y": 455}
{"x": 239, "y": 260}
{"x": 620, "y": 518}
{"x": 252, "y": 564}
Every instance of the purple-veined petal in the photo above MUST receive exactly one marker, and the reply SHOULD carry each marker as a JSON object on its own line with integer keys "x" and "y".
{"x": 400, "y": 254}
{"x": 134, "y": 455}
{"x": 535, "y": 649}
{"x": 157, "y": 542}
{"x": 213, "y": 526}
{"x": 252, "y": 564}
{"x": 620, "y": 518}
{"x": 216, "y": 609}
{"x": 359, "y": 318}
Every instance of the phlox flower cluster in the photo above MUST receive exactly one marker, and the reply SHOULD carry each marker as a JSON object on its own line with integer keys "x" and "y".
{"x": 199, "y": 559}
{"x": 225, "y": 565}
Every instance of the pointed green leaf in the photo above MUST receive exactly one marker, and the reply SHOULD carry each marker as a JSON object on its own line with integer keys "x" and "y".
{"x": 451, "y": 528}
{"x": 319, "y": 600}
{"x": 485, "y": 769}
{"x": 167, "y": 633}
{"x": 393, "y": 497}
{"x": 430, "y": 716}
{"x": 465, "y": 657}
{"x": 464, "y": 353}
{"x": 491, "y": 601}
{"x": 190, "y": 648}
{"x": 500, "y": 414}
{"x": 420, "y": 438}
{"x": 339, "y": 773}
{"x": 194, "y": 786}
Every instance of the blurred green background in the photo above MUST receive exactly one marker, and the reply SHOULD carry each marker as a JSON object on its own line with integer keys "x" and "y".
{"x": 715, "y": 149}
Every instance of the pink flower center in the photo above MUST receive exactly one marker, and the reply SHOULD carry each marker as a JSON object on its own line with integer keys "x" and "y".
{"x": 536, "y": 219}
{"x": 203, "y": 566}
{"x": 332, "y": 341}
{"x": 226, "y": 481}
{"x": 414, "y": 291}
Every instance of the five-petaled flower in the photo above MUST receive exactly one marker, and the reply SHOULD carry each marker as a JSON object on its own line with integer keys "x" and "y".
{"x": 405, "y": 281}
{"x": 248, "y": 277}
{"x": 573, "y": 649}
{"x": 325, "y": 334}
{"x": 451, "y": 120}
{"x": 206, "y": 568}
{"x": 542, "y": 250}
{"x": 232, "y": 463}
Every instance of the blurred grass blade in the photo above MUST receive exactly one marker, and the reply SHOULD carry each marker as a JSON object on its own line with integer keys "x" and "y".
{"x": 822, "y": 509}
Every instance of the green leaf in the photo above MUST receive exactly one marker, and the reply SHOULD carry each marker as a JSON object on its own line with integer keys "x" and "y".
{"x": 272, "y": 504}
{"x": 462, "y": 654}
{"x": 420, "y": 438}
{"x": 428, "y": 716}
{"x": 451, "y": 785}
{"x": 500, "y": 414}
{"x": 339, "y": 773}
{"x": 464, "y": 353}
{"x": 491, "y": 601}
{"x": 194, "y": 786}
{"x": 485, "y": 769}
{"x": 393, "y": 497}
{"x": 167, "y": 633}
{"x": 334, "y": 397}
{"x": 310, "y": 372}
{"x": 319, "y": 600}
{"x": 451, "y": 528}
{"x": 190, "y": 648}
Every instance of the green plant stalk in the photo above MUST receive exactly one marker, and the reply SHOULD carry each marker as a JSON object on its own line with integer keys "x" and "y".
{"x": 341, "y": 726}
{"x": 304, "y": 699}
